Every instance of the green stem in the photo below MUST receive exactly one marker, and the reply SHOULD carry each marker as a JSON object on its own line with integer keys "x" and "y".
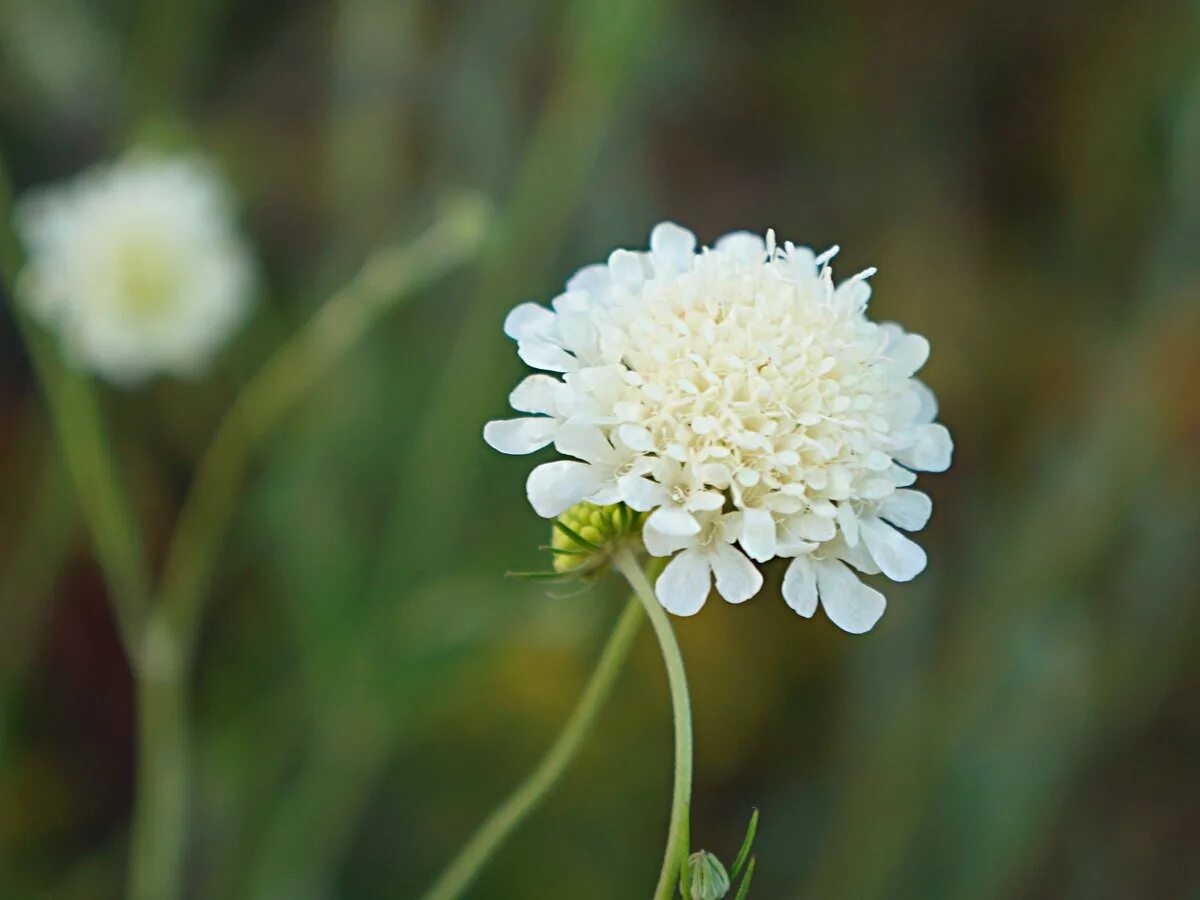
{"x": 677, "y": 835}
{"x": 86, "y": 450}
{"x": 503, "y": 821}
{"x": 603, "y": 46}
{"x": 160, "y": 800}
{"x": 159, "y": 817}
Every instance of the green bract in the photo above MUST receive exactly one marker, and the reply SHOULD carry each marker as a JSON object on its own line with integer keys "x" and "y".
{"x": 586, "y": 534}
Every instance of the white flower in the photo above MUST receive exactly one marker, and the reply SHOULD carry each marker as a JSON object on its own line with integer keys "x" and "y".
{"x": 137, "y": 265}
{"x": 676, "y": 494}
{"x": 557, "y": 486}
{"x": 684, "y": 584}
{"x": 743, "y": 399}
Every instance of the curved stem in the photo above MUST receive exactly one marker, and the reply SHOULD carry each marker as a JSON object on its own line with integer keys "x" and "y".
{"x": 677, "y": 835}
{"x": 504, "y": 820}
{"x": 168, "y": 642}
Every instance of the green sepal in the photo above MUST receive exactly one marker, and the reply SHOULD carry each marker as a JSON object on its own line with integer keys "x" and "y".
{"x": 574, "y": 535}
{"x": 744, "y": 888}
{"x": 536, "y": 576}
{"x": 747, "y": 843}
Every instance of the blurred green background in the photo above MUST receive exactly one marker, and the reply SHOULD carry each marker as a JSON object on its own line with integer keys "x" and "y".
{"x": 1023, "y": 722}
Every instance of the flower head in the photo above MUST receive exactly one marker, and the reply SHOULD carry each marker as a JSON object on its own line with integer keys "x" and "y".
{"x": 137, "y": 265}
{"x": 742, "y": 399}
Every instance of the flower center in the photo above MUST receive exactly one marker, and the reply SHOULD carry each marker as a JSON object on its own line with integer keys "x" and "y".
{"x": 146, "y": 277}
{"x": 773, "y": 384}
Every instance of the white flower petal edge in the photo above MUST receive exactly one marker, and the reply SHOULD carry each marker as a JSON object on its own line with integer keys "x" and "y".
{"x": 683, "y": 586}
{"x": 137, "y": 265}
{"x": 555, "y": 487}
{"x": 746, "y": 402}
{"x": 520, "y": 436}
{"x": 685, "y": 583}
{"x": 850, "y": 604}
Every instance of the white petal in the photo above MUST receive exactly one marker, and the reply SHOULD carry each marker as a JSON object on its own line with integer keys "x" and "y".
{"x": 850, "y": 604}
{"x": 607, "y": 494}
{"x": 848, "y": 522}
{"x": 737, "y": 578}
{"x": 800, "y": 586}
{"x": 791, "y": 547}
{"x": 801, "y": 263}
{"x": 854, "y": 293}
{"x": 758, "y": 534}
{"x": 636, "y": 438}
{"x": 592, "y": 280}
{"x": 908, "y": 353}
{"x": 812, "y": 527}
{"x": 700, "y": 501}
{"x": 931, "y": 452}
{"x": 729, "y": 526}
{"x": 684, "y": 584}
{"x": 659, "y": 543}
{"x": 909, "y": 510}
{"x": 544, "y": 355}
{"x": 626, "y": 269}
{"x": 642, "y": 493}
{"x": 536, "y": 394}
{"x": 858, "y": 556}
{"x": 899, "y": 558}
{"x": 519, "y": 436}
{"x": 555, "y": 487}
{"x": 577, "y": 332}
{"x": 928, "y": 402}
{"x": 743, "y": 245}
{"x": 584, "y": 442}
{"x": 672, "y": 247}
{"x": 877, "y": 461}
{"x": 569, "y": 301}
{"x": 603, "y": 383}
{"x": 673, "y": 521}
{"x": 529, "y": 320}
{"x": 715, "y": 475}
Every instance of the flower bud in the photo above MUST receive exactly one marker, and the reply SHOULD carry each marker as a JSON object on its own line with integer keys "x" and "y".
{"x": 708, "y": 878}
{"x": 584, "y": 537}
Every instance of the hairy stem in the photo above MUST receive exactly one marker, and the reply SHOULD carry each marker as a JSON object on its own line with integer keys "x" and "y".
{"x": 677, "y": 835}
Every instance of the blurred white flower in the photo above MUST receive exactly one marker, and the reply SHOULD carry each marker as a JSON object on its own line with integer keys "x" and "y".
{"x": 741, "y": 398}
{"x": 137, "y": 265}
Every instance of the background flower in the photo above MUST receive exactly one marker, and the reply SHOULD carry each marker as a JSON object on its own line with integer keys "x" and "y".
{"x": 137, "y": 265}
